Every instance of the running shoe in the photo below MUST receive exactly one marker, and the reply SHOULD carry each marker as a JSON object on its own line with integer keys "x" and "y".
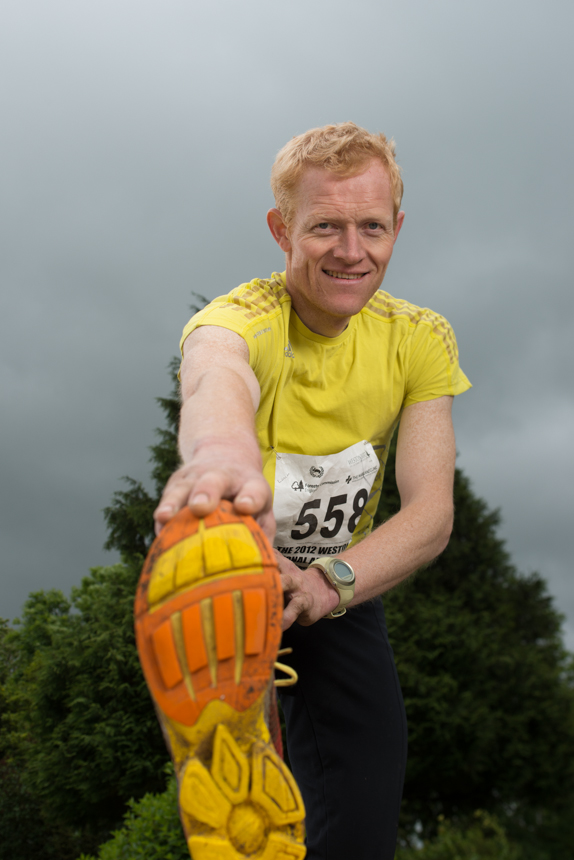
{"x": 208, "y": 625}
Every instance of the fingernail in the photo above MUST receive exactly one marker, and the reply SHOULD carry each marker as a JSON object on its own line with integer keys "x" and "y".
{"x": 245, "y": 500}
{"x": 200, "y": 499}
{"x": 164, "y": 509}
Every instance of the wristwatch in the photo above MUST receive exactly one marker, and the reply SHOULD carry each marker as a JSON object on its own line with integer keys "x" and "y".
{"x": 342, "y": 577}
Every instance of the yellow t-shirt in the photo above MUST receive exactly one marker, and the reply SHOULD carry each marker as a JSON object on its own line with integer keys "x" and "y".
{"x": 320, "y": 395}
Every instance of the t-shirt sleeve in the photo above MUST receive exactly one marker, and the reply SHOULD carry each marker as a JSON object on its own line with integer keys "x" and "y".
{"x": 254, "y": 313}
{"x": 218, "y": 312}
{"x": 433, "y": 368}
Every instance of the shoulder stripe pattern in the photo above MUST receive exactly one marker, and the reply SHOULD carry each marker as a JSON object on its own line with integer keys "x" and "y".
{"x": 259, "y": 297}
{"x": 386, "y": 306}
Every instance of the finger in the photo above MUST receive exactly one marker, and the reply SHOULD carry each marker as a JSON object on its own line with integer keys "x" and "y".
{"x": 287, "y": 583}
{"x": 207, "y": 493}
{"x": 267, "y": 523}
{"x": 253, "y": 497}
{"x": 173, "y": 500}
{"x": 295, "y": 611}
{"x": 285, "y": 565}
{"x": 202, "y": 495}
{"x": 287, "y": 621}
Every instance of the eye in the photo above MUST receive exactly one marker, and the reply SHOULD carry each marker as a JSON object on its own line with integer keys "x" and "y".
{"x": 374, "y": 225}
{"x": 324, "y": 225}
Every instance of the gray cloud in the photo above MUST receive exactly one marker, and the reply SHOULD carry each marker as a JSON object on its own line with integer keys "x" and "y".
{"x": 137, "y": 142}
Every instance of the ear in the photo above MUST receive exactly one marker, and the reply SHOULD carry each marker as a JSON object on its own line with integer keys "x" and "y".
{"x": 400, "y": 221}
{"x": 279, "y": 229}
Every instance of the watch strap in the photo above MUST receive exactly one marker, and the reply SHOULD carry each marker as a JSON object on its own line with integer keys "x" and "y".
{"x": 346, "y": 591}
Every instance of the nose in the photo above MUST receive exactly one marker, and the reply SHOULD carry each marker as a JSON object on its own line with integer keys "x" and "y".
{"x": 349, "y": 248}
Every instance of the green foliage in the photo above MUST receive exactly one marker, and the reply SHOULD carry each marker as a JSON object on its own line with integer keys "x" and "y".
{"x": 151, "y": 831}
{"x": 487, "y": 684}
{"x": 6, "y": 668}
{"x": 22, "y": 831}
{"x": 483, "y": 839}
{"x": 79, "y": 722}
{"x": 129, "y": 518}
{"x": 44, "y": 614}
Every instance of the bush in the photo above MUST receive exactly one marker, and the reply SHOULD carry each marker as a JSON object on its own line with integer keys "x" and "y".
{"x": 22, "y": 831}
{"x": 151, "y": 831}
{"x": 78, "y": 730}
{"x": 488, "y": 687}
{"x": 483, "y": 839}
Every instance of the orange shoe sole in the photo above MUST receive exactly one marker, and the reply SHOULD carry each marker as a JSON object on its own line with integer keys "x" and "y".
{"x": 208, "y": 614}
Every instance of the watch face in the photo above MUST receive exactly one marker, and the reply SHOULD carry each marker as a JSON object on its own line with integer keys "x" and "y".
{"x": 343, "y": 572}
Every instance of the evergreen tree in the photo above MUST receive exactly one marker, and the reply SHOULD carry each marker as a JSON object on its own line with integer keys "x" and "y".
{"x": 129, "y": 518}
{"x": 78, "y": 725}
{"x": 487, "y": 683}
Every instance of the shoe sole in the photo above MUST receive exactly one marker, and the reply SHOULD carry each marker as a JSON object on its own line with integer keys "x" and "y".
{"x": 208, "y": 614}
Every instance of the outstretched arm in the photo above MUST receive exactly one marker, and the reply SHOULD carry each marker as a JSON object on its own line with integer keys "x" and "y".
{"x": 217, "y": 441}
{"x": 418, "y": 533}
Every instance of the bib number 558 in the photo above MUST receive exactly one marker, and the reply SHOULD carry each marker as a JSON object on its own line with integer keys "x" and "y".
{"x": 333, "y": 515}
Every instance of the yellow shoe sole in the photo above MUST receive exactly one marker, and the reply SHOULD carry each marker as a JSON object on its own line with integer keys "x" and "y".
{"x": 208, "y": 625}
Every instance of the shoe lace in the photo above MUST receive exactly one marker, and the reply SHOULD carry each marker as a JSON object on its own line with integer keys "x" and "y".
{"x": 288, "y": 670}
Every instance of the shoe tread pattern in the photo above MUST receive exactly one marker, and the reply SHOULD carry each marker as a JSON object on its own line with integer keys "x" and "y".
{"x": 243, "y": 805}
{"x": 208, "y": 613}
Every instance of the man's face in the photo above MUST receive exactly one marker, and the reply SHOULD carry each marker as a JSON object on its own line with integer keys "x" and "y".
{"x": 338, "y": 245}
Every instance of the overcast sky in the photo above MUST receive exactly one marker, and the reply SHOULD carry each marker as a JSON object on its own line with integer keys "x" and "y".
{"x": 136, "y": 144}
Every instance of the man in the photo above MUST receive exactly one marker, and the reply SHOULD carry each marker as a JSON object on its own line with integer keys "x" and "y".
{"x": 292, "y": 388}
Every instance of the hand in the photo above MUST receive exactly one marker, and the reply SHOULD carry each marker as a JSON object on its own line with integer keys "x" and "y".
{"x": 219, "y": 470}
{"x": 309, "y": 596}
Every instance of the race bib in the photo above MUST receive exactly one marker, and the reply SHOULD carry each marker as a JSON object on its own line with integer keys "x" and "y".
{"x": 318, "y": 501}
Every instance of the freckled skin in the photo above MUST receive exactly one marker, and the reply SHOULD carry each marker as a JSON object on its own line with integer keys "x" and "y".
{"x": 341, "y": 226}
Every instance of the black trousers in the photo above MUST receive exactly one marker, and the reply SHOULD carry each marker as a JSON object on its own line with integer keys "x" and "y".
{"x": 346, "y": 734}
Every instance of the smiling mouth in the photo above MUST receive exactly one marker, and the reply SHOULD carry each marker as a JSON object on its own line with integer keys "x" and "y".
{"x": 346, "y": 276}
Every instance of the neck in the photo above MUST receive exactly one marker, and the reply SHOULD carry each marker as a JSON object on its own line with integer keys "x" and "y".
{"x": 319, "y": 323}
